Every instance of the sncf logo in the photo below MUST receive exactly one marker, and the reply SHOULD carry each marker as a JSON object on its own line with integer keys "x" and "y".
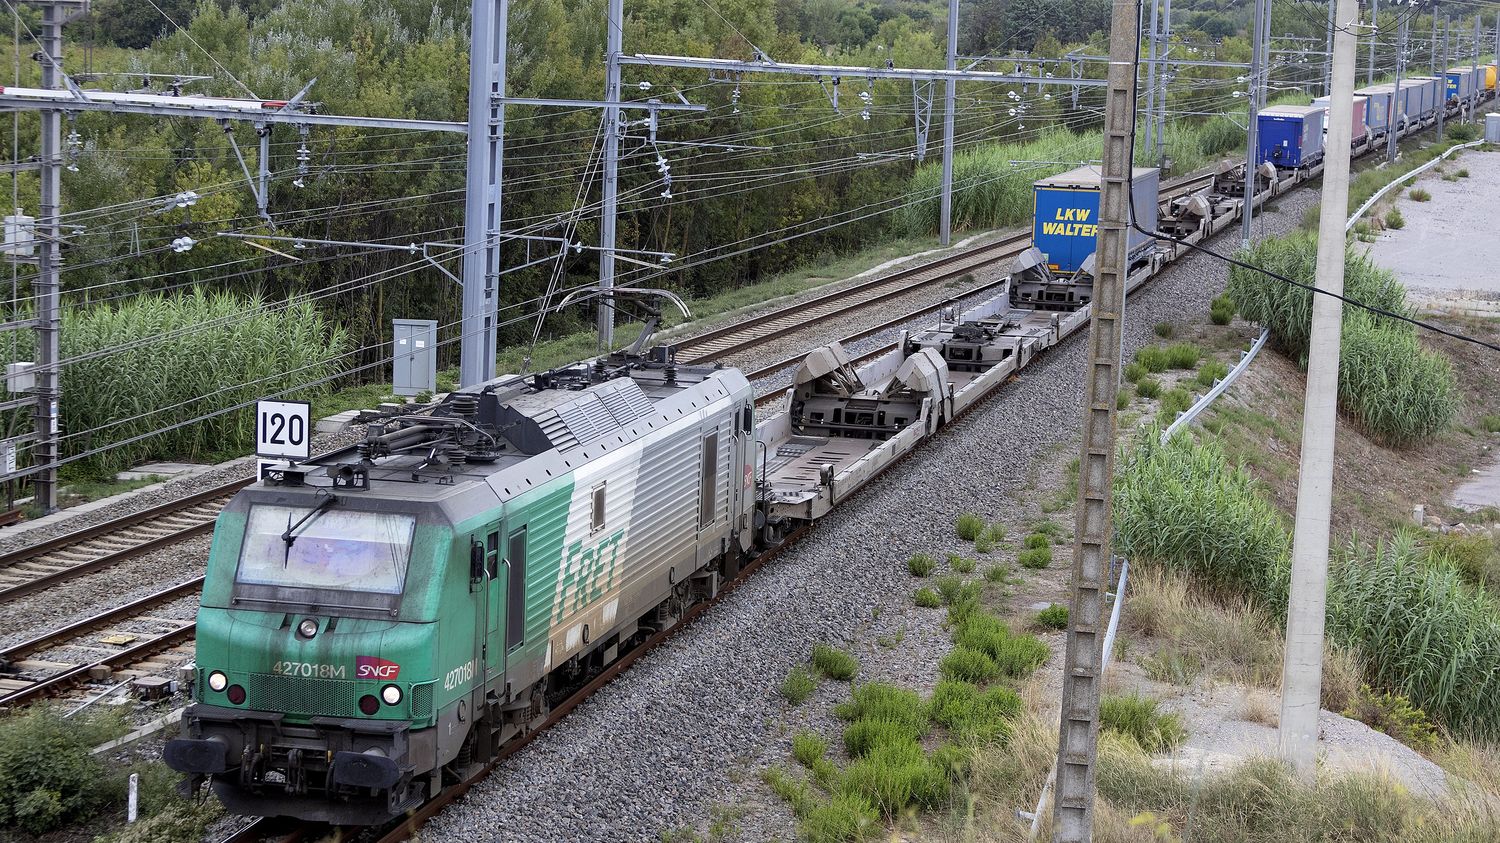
{"x": 370, "y": 667}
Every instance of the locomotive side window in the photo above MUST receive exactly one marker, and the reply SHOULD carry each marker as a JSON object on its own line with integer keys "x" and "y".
{"x": 515, "y": 609}
{"x": 710, "y": 479}
{"x": 340, "y": 549}
{"x": 492, "y": 554}
{"x": 597, "y": 521}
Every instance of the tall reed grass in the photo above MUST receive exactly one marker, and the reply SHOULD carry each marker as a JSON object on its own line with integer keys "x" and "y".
{"x": 182, "y": 357}
{"x": 1398, "y": 390}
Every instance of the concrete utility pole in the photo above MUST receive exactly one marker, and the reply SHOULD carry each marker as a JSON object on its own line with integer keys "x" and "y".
{"x": 1478, "y": 82}
{"x": 1374, "y": 35}
{"x": 1302, "y": 671}
{"x": 950, "y": 99}
{"x": 481, "y": 262}
{"x": 614, "y": 39}
{"x": 1392, "y": 118}
{"x": 1260, "y": 20}
{"x": 1151, "y": 46}
{"x": 1161, "y": 100}
{"x": 1442, "y": 75}
{"x": 1328, "y": 53}
{"x": 1073, "y": 806}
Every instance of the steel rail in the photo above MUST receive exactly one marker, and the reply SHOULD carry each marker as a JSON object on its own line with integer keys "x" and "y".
{"x": 105, "y": 618}
{"x": 124, "y": 657}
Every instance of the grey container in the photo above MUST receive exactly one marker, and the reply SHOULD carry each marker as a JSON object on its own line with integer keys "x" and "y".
{"x": 1492, "y": 128}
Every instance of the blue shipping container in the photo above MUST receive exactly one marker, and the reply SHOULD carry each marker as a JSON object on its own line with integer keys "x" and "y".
{"x": 1065, "y": 215}
{"x": 1377, "y": 112}
{"x": 1460, "y": 83}
{"x": 1290, "y": 136}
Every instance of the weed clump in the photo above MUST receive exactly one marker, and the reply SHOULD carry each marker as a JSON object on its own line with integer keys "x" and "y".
{"x": 48, "y": 777}
{"x": 921, "y": 564}
{"x": 1417, "y": 194}
{"x": 1122, "y": 399}
{"x": 1035, "y": 540}
{"x": 927, "y": 598}
{"x": 1013, "y": 655}
{"x": 798, "y": 685}
{"x": 1154, "y": 359}
{"x": 996, "y": 573}
{"x": 1053, "y": 617}
{"x": 1394, "y": 219}
{"x": 1148, "y": 387}
{"x": 961, "y": 564}
{"x": 834, "y": 663}
{"x": 1211, "y": 373}
{"x": 968, "y": 665}
{"x": 969, "y": 526}
{"x": 1221, "y": 310}
{"x": 972, "y": 716}
{"x": 1035, "y": 557}
{"x": 955, "y": 591}
{"x": 1137, "y": 717}
{"x": 1163, "y": 330}
{"x": 1134, "y": 371}
{"x": 1183, "y": 355}
{"x": 1394, "y": 715}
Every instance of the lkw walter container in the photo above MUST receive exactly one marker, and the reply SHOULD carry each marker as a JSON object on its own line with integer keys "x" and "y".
{"x": 1357, "y": 135}
{"x": 1459, "y": 83}
{"x": 1291, "y": 135}
{"x": 1065, "y": 219}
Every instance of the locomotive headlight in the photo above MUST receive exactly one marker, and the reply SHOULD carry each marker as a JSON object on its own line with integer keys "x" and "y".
{"x": 391, "y": 694}
{"x": 218, "y": 681}
{"x": 308, "y": 628}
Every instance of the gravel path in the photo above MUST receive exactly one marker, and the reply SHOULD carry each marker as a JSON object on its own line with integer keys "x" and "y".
{"x": 691, "y": 724}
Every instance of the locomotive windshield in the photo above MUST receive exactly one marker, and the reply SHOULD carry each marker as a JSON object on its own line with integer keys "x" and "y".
{"x": 339, "y": 549}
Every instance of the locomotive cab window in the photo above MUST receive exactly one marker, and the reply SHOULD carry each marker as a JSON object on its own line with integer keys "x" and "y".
{"x": 515, "y": 603}
{"x": 710, "y": 479}
{"x": 340, "y": 549}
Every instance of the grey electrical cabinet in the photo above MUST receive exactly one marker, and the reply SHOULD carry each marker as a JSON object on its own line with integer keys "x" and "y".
{"x": 414, "y": 356}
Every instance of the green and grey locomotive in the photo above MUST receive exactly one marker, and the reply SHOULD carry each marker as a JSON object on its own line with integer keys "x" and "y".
{"x": 381, "y": 620}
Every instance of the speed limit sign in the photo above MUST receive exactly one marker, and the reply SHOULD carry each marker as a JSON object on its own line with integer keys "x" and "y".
{"x": 282, "y": 429}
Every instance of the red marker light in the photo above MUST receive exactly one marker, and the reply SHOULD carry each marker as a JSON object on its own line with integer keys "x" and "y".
{"x": 369, "y": 705}
{"x": 236, "y": 694}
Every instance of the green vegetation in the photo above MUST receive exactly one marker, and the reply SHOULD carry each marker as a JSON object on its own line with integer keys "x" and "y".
{"x": 1034, "y": 557}
{"x": 1012, "y": 655}
{"x": 1153, "y": 358}
{"x": 970, "y": 715}
{"x": 257, "y": 348}
{"x": 834, "y": 663}
{"x": 1163, "y": 330}
{"x": 1221, "y": 310}
{"x": 955, "y": 590}
{"x": 1463, "y": 173}
{"x": 1490, "y": 423}
{"x": 1400, "y": 391}
{"x": 798, "y": 685}
{"x": 1394, "y": 715}
{"x": 921, "y": 564}
{"x": 1138, "y": 718}
{"x": 1122, "y": 398}
{"x": 1211, "y": 373}
{"x": 48, "y": 777}
{"x": 961, "y": 564}
{"x": 1175, "y": 401}
{"x": 1148, "y": 387}
{"x": 1394, "y": 220}
{"x": 1474, "y": 556}
{"x": 969, "y": 526}
{"x": 967, "y": 665}
{"x": 1417, "y": 194}
{"x": 1183, "y": 355}
{"x": 927, "y": 598}
{"x": 996, "y": 574}
{"x": 1134, "y": 371}
{"x": 1035, "y": 540}
{"x": 1053, "y": 617}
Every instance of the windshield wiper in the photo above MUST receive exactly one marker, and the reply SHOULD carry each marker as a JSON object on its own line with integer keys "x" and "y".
{"x": 328, "y": 500}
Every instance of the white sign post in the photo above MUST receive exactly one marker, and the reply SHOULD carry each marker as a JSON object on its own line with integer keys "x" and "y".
{"x": 283, "y": 429}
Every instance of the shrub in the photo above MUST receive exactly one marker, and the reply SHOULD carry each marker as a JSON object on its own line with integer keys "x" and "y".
{"x": 887, "y": 703}
{"x": 808, "y": 748}
{"x": 1148, "y": 387}
{"x": 984, "y": 544}
{"x": 894, "y": 777}
{"x": 1417, "y": 194}
{"x": 968, "y": 665}
{"x": 843, "y": 818}
{"x": 833, "y": 662}
{"x": 1175, "y": 401}
{"x": 1164, "y": 330}
{"x": 179, "y": 822}
{"x": 1186, "y": 506}
{"x": 1053, "y": 617}
{"x": 1400, "y": 392}
{"x": 1473, "y": 556}
{"x": 1463, "y": 173}
{"x": 1183, "y": 355}
{"x": 927, "y": 598}
{"x": 1134, "y": 372}
{"x": 970, "y": 525}
{"x": 1137, "y": 717}
{"x": 1013, "y": 655}
{"x": 1221, "y": 310}
{"x": 961, "y": 564}
{"x": 798, "y": 685}
{"x": 1035, "y": 540}
{"x": 921, "y": 564}
{"x": 1394, "y": 715}
{"x": 1490, "y": 422}
{"x": 995, "y": 532}
{"x": 1394, "y": 219}
{"x": 1035, "y": 557}
{"x": 47, "y": 775}
{"x": 1122, "y": 399}
{"x": 972, "y": 716}
{"x": 1211, "y": 373}
{"x": 954, "y": 590}
{"x": 996, "y": 573}
{"x": 1154, "y": 358}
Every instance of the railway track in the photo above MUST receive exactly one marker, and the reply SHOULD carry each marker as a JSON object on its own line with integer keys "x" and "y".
{"x": 130, "y": 641}
{"x": 98, "y": 547}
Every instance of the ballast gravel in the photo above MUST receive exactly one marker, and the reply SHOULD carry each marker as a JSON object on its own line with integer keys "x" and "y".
{"x": 690, "y": 727}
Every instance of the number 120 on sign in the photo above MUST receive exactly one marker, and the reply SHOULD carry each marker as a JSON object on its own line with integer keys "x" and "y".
{"x": 281, "y": 429}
